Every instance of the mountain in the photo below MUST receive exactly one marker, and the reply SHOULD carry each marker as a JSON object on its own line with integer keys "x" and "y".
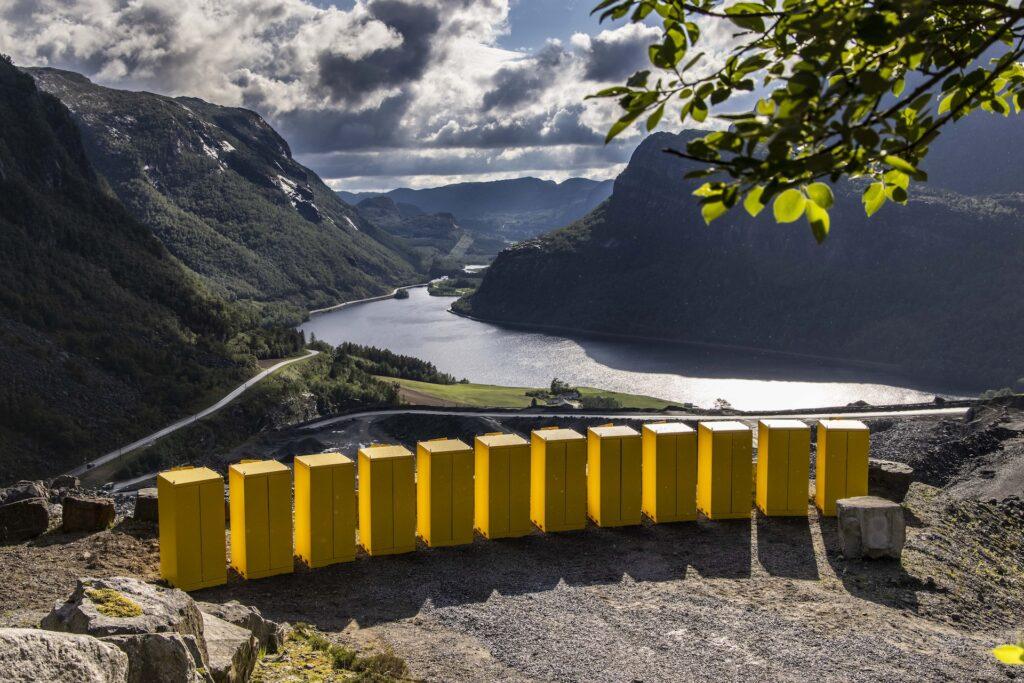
{"x": 105, "y": 336}
{"x": 933, "y": 288}
{"x": 220, "y": 189}
{"x": 510, "y": 210}
{"x": 435, "y": 237}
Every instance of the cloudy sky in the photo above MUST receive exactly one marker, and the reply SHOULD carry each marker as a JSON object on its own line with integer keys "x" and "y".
{"x": 371, "y": 94}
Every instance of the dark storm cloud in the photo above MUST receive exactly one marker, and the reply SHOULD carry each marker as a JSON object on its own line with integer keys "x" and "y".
{"x": 616, "y": 56}
{"x": 350, "y": 80}
{"x": 309, "y": 130}
{"x": 523, "y": 81}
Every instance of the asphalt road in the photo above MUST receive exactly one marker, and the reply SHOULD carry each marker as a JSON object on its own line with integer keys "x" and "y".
{"x": 184, "y": 422}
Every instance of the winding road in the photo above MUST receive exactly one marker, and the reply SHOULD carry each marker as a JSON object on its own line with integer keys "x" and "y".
{"x": 186, "y": 421}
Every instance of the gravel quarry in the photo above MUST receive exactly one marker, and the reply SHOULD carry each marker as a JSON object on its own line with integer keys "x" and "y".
{"x": 764, "y": 599}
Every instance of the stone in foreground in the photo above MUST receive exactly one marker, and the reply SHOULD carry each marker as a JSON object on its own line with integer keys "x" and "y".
{"x": 160, "y": 610}
{"x": 269, "y": 633}
{"x": 146, "y": 508}
{"x": 23, "y": 520}
{"x": 891, "y": 479}
{"x": 28, "y": 654}
{"x": 86, "y": 513}
{"x": 870, "y": 527}
{"x": 160, "y": 658}
{"x": 232, "y": 650}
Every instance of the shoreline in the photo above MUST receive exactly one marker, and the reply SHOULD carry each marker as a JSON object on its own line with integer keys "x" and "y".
{"x": 793, "y": 355}
{"x": 367, "y": 300}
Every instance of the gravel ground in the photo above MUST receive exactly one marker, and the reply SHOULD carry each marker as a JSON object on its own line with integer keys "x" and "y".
{"x": 766, "y": 599}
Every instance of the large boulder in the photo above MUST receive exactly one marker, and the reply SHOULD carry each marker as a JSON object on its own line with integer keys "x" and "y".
{"x": 28, "y": 654}
{"x": 889, "y": 479}
{"x": 23, "y": 490}
{"x": 87, "y": 513}
{"x": 23, "y": 520}
{"x": 232, "y": 650}
{"x": 160, "y": 658}
{"x": 146, "y": 508}
{"x": 126, "y": 606}
{"x": 871, "y": 527}
{"x": 64, "y": 481}
{"x": 269, "y": 633}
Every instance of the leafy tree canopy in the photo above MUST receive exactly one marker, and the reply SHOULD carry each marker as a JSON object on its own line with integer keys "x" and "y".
{"x": 856, "y": 88}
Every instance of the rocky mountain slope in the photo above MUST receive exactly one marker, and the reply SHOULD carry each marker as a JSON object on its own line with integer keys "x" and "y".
{"x": 509, "y": 210}
{"x": 220, "y": 189}
{"x": 932, "y": 288}
{"x": 103, "y": 334}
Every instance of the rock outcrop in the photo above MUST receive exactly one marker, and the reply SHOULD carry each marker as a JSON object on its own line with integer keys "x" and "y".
{"x": 23, "y": 490}
{"x": 146, "y": 508}
{"x": 232, "y": 650}
{"x": 269, "y": 633}
{"x": 87, "y": 513}
{"x": 23, "y": 520}
{"x": 161, "y": 658}
{"x": 29, "y": 655}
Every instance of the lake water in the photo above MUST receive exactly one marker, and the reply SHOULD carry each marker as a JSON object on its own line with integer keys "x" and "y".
{"x": 421, "y": 326}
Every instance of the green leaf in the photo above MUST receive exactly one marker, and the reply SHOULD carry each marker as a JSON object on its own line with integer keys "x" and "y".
{"x": 874, "y": 198}
{"x": 766, "y": 107}
{"x": 712, "y": 210}
{"x": 819, "y": 220}
{"x": 820, "y": 194}
{"x": 752, "y": 202}
{"x": 905, "y": 166}
{"x": 699, "y": 111}
{"x": 653, "y": 119}
{"x": 618, "y": 127}
{"x": 789, "y": 206}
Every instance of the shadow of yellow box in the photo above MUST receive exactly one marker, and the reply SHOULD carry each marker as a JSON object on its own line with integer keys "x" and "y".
{"x": 190, "y": 502}
{"x": 444, "y": 492}
{"x": 387, "y": 500}
{"x": 325, "y": 509}
{"x": 783, "y": 462}
{"x": 724, "y": 476}
{"x": 261, "y": 518}
{"x": 502, "y": 482}
{"x": 841, "y": 467}
{"x": 613, "y": 475}
{"x": 669, "y": 472}
{"x": 558, "y": 479}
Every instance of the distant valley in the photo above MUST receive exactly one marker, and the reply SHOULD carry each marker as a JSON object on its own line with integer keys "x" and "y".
{"x": 503, "y": 210}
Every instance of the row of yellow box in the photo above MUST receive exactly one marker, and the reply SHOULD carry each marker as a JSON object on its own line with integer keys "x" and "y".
{"x": 501, "y": 488}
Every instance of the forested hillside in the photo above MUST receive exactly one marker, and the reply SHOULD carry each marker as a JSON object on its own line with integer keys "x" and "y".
{"x": 933, "y": 287}
{"x": 103, "y": 334}
{"x": 220, "y": 189}
{"x": 508, "y": 210}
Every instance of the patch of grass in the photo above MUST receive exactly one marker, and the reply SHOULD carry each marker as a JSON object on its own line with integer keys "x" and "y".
{"x": 308, "y": 655}
{"x": 111, "y": 603}
{"x": 495, "y": 396}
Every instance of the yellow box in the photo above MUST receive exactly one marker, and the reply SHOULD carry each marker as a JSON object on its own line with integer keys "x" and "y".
{"x": 783, "y": 461}
{"x": 558, "y": 479}
{"x": 724, "y": 470}
{"x": 669, "y": 472}
{"x": 190, "y": 502}
{"x": 613, "y": 475}
{"x": 444, "y": 492}
{"x": 325, "y": 509}
{"x": 261, "y": 518}
{"x": 842, "y": 463}
{"x": 387, "y": 500}
{"x": 502, "y": 481}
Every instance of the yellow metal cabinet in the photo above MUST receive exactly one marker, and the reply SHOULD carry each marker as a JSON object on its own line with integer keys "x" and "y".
{"x": 783, "y": 461}
{"x": 613, "y": 475}
{"x": 387, "y": 500}
{"x": 842, "y": 463}
{"x": 558, "y": 479}
{"x": 502, "y": 483}
{"x": 325, "y": 508}
{"x": 261, "y": 518}
{"x": 444, "y": 492}
{"x": 724, "y": 464}
{"x": 190, "y": 503}
{"x": 669, "y": 472}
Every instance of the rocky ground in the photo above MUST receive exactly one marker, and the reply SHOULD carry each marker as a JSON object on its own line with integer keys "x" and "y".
{"x": 768, "y": 599}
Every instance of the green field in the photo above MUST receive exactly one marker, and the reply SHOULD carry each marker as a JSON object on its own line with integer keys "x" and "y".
{"x": 494, "y": 396}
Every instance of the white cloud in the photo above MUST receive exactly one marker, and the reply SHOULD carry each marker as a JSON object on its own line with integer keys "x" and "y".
{"x": 392, "y": 88}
